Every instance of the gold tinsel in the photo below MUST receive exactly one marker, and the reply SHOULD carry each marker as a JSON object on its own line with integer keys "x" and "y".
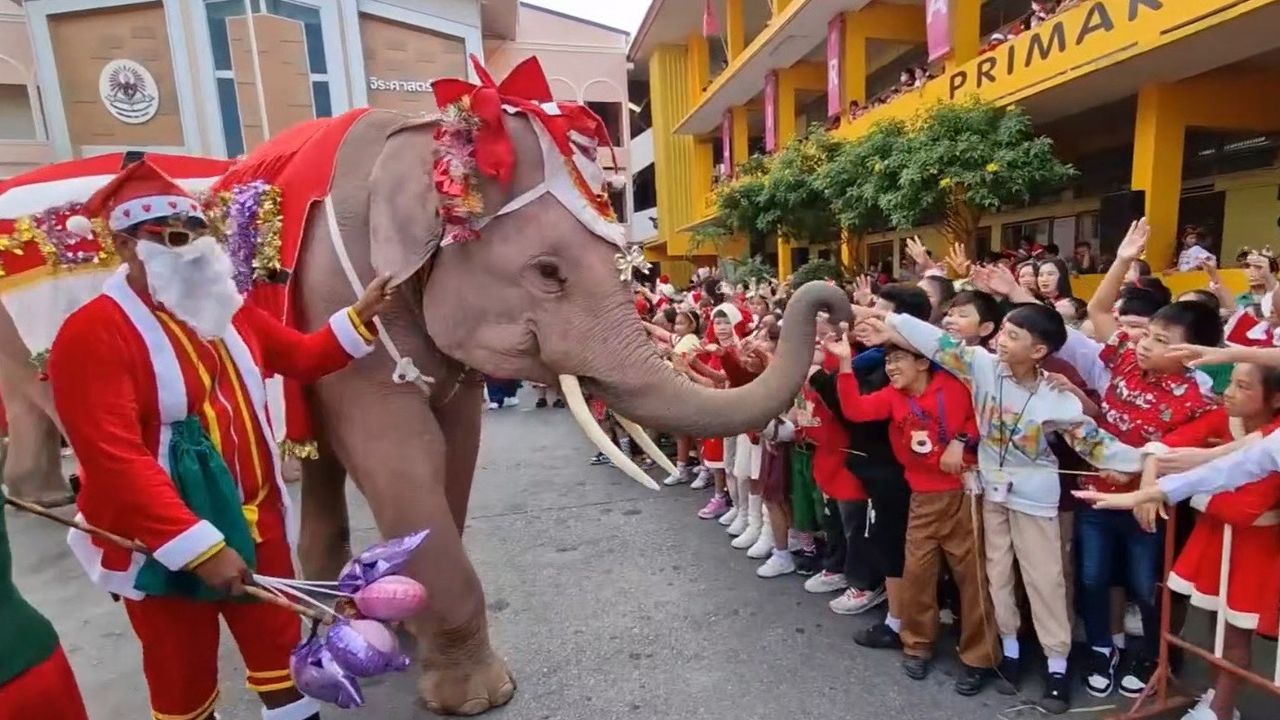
{"x": 266, "y": 258}
{"x": 26, "y": 231}
{"x": 300, "y": 450}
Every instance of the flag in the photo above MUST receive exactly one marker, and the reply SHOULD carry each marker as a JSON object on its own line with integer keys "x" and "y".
{"x": 710, "y": 26}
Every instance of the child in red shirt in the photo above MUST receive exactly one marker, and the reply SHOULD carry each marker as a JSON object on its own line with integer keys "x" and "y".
{"x": 933, "y": 434}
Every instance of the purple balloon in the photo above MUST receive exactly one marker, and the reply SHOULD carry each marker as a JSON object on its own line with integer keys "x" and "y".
{"x": 317, "y": 675}
{"x": 365, "y": 648}
{"x": 379, "y": 561}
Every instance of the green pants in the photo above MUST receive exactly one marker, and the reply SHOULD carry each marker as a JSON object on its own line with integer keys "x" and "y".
{"x": 807, "y": 503}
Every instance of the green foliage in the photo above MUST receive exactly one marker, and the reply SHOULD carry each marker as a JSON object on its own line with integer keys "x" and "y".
{"x": 739, "y": 201}
{"x": 711, "y": 235}
{"x": 741, "y": 271}
{"x": 793, "y": 202}
{"x": 815, "y": 270}
{"x": 955, "y": 160}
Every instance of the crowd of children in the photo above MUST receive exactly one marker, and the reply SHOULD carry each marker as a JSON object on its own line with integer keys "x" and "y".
{"x": 974, "y": 443}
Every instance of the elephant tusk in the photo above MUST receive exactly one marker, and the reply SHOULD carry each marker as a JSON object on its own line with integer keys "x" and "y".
{"x": 650, "y": 448}
{"x": 571, "y": 390}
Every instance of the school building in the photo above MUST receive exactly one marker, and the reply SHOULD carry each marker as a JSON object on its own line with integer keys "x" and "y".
{"x": 1166, "y": 107}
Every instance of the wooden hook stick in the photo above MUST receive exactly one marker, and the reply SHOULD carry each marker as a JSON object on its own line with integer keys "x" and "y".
{"x": 136, "y": 546}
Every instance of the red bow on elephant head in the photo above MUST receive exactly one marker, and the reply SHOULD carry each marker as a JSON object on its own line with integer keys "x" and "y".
{"x": 525, "y": 85}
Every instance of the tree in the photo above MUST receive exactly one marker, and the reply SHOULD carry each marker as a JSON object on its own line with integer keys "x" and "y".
{"x": 739, "y": 201}
{"x": 712, "y": 234}
{"x": 955, "y": 161}
{"x": 815, "y": 270}
{"x": 793, "y": 202}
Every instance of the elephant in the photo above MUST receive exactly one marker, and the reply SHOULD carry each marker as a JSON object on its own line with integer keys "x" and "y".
{"x": 538, "y": 296}
{"x": 33, "y": 460}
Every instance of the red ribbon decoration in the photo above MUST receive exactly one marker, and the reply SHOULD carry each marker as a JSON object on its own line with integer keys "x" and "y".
{"x": 525, "y": 85}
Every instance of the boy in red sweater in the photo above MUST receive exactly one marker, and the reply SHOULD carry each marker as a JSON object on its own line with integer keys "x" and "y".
{"x": 933, "y": 434}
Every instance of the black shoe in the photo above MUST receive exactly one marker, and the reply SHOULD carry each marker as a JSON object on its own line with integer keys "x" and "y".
{"x": 1008, "y": 676}
{"x": 542, "y": 402}
{"x": 1100, "y": 672}
{"x": 878, "y": 636}
{"x": 807, "y": 562}
{"x": 1136, "y": 674}
{"x": 1057, "y": 694}
{"x": 559, "y": 403}
{"x": 599, "y": 459}
{"x": 971, "y": 680}
{"x": 916, "y": 668}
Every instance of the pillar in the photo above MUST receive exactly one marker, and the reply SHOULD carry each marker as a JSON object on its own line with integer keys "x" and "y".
{"x": 966, "y": 32}
{"x": 699, "y": 66}
{"x": 786, "y": 124}
{"x": 673, "y": 155}
{"x": 1158, "y": 139}
{"x": 735, "y": 29}
{"x": 741, "y": 136}
{"x": 854, "y": 64}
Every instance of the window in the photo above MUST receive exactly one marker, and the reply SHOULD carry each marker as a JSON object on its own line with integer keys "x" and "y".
{"x": 17, "y": 122}
{"x": 611, "y": 114}
{"x": 878, "y": 254}
{"x": 618, "y": 199}
{"x": 219, "y": 12}
{"x": 644, "y": 193}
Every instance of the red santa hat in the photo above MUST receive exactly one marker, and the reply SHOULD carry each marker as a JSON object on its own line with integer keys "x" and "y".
{"x": 140, "y": 192}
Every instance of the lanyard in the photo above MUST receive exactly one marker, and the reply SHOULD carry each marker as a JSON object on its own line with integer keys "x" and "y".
{"x": 941, "y": 418}
{"x": 1006, "y": 434}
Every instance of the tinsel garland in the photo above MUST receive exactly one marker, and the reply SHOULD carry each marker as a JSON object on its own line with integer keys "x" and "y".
{"x": 60, "y": 247}
{"x": 454, "y": 173}
{"x": 300, "y": 450}
{"x": 248, "y": 218}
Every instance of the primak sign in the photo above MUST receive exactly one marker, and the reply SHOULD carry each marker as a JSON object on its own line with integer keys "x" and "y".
{"x": 410, "y": 86}
{"x": 1097, "y": 28}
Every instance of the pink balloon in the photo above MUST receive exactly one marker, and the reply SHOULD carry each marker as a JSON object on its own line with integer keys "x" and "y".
{"x": 394, "y": 597}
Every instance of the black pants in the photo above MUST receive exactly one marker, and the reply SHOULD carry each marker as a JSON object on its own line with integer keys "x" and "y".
{"x": 860, "y": 565}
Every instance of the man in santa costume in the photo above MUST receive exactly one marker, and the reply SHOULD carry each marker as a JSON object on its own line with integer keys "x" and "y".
{"x": 159, "y": 384}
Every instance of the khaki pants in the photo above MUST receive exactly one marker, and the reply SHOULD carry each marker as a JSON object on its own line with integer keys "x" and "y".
{"x": 1035, "y": 543}
{"x": 943, "y": 526}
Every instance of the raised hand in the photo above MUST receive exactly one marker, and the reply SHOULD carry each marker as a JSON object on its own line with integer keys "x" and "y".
{"x": 1209, "y": 264}
{"x": 1135, "y": 241}
{"x": 919, "y": 253}
{"x": 1000, "y": 280}
{"x": 838, "y": 343}
{"x": 872, "y": 331}
{"x": 862, "y": 294}
{"x": 958, "y": 260}
{"x": 1198, "y": 355}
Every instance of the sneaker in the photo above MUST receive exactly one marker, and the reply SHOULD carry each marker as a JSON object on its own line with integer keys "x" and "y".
{"x": 718, "y": 505}
{"x": 599, "y": 459}
{"x": 879, "y": 637}
{"x": 1100, "y": 672}
{"x": 1057, "y": 694}
{"x": 916, "y": 668}
{"x": 779, "y": 563}
{"x": 763, "y": 545}
{"x": 646, "y": 463}
{"x": 825, "y": 582}
{"x": 1008, "y": 676}
{"x": 971, "y": 680}
{"x": 559, "y": 403}
{"x": 748, "y": 538}
{"x": 728, "y": 518}
{"x": 739, "y": 524}
{"x": 493, "y": 406}
{"x": 1201, "y": 711}
{"x": 542, "y": 403}
{"x": 702, "y": 481}
{"x": 679, "y": 477}
{"x": 1136, "y": 674}
{"x": 855, "y": 601}
{"x": 1132, "y": 621}
{"x": 807, "y": 562}
{"x": 511, "y": 402}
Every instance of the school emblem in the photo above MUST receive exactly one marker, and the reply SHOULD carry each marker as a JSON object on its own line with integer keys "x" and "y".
{"x": 128, "y": 91}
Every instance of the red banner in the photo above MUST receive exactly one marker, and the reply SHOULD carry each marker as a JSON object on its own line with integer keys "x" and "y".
{"x": 835, "y": 57}
{"x": 771, "y": 112}
{"x": 938, "y": 28}
{"x": 726, "y": 145}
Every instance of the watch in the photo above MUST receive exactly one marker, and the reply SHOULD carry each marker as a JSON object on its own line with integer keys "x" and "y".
{"x": 962, "y": 438}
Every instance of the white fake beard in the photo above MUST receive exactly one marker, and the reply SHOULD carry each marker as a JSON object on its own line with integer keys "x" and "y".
{"x": 194, "y": 282}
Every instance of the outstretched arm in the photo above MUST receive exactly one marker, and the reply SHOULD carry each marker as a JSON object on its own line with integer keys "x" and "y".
{"x": 1104, "y": 298}
{"x": 1197, "y": 355}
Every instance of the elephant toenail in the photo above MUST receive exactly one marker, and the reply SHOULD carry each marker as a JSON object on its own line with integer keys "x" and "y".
{"x": 474, "y": 706}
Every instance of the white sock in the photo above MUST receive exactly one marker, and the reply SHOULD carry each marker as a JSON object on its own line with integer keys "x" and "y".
{"x": 1118, "y": 640}
{"x": 1057, "y": 665}
{"x": 1010, "y": 643}
{"x": 895, "y": 624}
{"x": 780, "y": 553}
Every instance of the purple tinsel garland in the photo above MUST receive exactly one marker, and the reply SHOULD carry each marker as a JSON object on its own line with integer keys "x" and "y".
{"x": 242, "y": 230}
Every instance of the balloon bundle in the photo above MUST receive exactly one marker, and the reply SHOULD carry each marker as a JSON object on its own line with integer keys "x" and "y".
{"x": 357, "y": 641}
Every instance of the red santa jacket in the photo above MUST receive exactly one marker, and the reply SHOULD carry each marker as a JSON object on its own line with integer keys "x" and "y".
{"x": 122, "y": 372}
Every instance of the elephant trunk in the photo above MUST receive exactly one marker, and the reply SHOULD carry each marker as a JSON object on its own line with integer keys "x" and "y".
{"x": 645, "y": 389}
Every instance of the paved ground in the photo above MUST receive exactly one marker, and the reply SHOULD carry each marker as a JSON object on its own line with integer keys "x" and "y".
{"x": 609, "y": 600}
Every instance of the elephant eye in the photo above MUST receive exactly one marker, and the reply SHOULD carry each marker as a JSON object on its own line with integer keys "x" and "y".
{"x": 548, "y": 270}
{"x": 549, "y": 274}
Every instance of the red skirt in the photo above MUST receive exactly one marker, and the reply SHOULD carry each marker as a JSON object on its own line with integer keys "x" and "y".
{"x": 47, "y": 691}
{"x": 1253, "y": 586}
{"x": 713, "y": 453}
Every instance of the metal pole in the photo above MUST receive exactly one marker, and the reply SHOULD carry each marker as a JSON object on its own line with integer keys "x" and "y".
{"x": 257, "y": 71}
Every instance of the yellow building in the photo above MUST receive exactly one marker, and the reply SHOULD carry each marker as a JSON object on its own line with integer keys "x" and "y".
{"x": 1167, "y": 107}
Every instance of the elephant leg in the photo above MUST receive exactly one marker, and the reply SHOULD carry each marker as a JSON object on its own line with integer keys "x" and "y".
{"x": 394, "y": 449}
{"x": 324, "y": 545}
{"x": 33, "y": 462}
{"x": 459, "y": 421}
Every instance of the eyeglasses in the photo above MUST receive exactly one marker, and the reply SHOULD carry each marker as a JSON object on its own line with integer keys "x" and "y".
{"x": 170, "y": 237}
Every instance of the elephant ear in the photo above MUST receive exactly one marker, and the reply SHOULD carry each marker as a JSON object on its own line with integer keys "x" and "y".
{"x": 404, "y": 228}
